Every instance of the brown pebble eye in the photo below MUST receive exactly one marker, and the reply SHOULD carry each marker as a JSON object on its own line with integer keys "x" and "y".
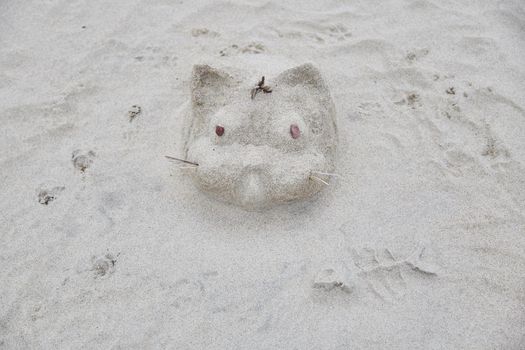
{"x": 219, "y": 130}
{"x": 294, "y": 131}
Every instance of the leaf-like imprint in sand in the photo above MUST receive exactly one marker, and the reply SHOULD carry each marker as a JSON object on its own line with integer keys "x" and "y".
{"x": 385, "y": 275}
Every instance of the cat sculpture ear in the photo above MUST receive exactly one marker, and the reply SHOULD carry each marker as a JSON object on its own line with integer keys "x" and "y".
{"x": 305, "y": 75}
{"x": 209, "y": 89}
{"x": 306, "y": 82}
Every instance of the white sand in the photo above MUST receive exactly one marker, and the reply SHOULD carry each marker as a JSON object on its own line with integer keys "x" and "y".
{"x": 424, "y": 235}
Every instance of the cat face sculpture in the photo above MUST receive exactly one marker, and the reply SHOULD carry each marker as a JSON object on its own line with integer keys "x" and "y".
{"x": 261, "y": 151}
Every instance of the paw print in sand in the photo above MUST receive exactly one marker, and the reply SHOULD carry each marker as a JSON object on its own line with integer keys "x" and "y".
{"x": 134, "y": 112}
{"x": 103, "y": 265}
{"x": 48, "y": 195}
{"x": 82, "y": 160}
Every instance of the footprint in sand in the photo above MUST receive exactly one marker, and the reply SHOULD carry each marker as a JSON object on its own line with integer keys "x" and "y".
{"x": 252, "y": 48}
{"x": 416, "y": 55}
{"x": 82, "y": 160}
{"x": 103, "y": 265}
{"x": 411, "y": 99}
{"x": 197, "y": 32}
{"x": 45, "y": 196}
{"x": 333, "y": 278}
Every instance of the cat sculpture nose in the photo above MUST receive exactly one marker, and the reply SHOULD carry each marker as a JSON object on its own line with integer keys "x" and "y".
{"x": 252, "y": 192}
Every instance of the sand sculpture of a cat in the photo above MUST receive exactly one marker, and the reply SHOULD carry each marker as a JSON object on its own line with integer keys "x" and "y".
{"x": 260, "y": 151}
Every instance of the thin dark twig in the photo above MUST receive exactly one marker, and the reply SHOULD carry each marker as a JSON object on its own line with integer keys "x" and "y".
{"x": 182, "y": 160}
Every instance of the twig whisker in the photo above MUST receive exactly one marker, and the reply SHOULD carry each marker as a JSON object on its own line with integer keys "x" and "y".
{"x": 182, "y": 160}
{"x": 319, "y": 179}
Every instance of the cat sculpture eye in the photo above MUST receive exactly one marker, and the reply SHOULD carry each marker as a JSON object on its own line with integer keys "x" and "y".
{"x": 294, "y": 131}
{"x": 219, "y": 130}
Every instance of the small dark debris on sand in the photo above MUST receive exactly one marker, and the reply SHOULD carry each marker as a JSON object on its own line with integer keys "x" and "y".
{"x": 260, "y": 87}
{"x": 134, "y": 112}
{"x": 412, "y": 99}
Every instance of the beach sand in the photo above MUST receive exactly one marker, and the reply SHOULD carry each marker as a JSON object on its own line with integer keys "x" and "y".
{"x": 419, "y": 244}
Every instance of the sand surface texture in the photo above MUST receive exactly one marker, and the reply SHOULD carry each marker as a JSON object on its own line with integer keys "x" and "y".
{"x": 420, "y": 244}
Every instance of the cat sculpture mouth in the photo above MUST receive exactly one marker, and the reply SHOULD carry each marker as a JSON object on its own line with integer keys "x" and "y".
{"x": 265, "y": 150}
